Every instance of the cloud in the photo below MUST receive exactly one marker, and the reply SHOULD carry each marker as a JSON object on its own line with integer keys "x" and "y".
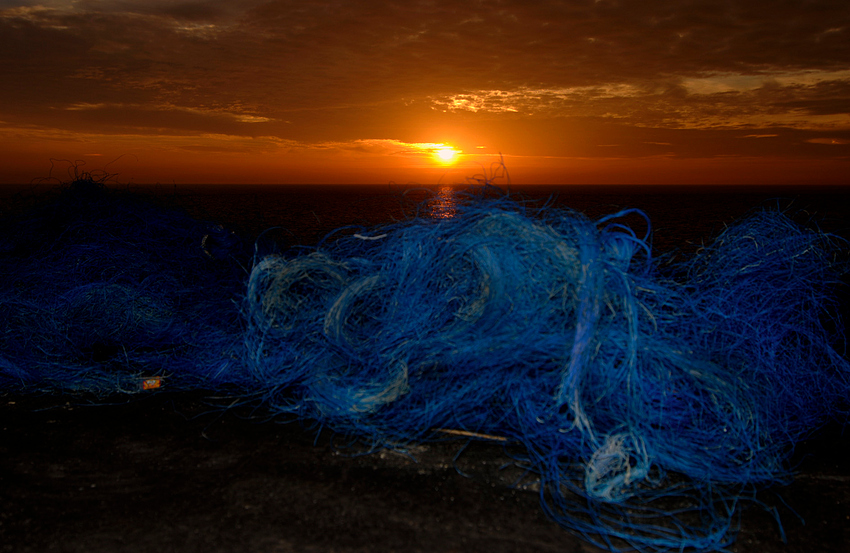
{"x": 829, "y": 141}
{"x": 336, "y": 71}
{"x": 375, "y": 148}
{"x": 170, "y": 111}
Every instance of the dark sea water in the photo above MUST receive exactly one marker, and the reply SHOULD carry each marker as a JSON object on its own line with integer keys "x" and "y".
{"x": 682, "y": 217}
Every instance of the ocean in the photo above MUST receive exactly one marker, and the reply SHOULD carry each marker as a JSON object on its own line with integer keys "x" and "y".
{"x": 681, "y": 217}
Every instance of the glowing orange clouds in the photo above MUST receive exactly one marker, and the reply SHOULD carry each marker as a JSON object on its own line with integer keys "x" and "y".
{"x": 592, "y": 92}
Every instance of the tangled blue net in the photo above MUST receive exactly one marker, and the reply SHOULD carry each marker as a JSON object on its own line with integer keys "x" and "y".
{"x": 102, "y": 291}
{"x": 648, "y": 400}
{"x": 628, "y": 389}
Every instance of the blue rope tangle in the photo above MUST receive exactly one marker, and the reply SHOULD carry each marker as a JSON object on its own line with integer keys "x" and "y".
{"x": 649, "y": 400}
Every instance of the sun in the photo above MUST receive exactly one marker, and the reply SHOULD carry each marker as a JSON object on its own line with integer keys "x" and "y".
{"x": 446, "y": 154}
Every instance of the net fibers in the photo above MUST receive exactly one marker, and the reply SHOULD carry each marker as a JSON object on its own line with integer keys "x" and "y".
{"x": 647, "y": 400}
{"x": 647, "y": 405}
{"x": 102, "y": 291}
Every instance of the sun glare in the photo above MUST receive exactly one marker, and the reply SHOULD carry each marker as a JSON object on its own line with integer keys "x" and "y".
{"x": 446, "y": 154}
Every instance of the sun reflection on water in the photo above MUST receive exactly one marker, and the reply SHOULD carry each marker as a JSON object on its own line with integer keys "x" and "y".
{"x": 444, "y": 204}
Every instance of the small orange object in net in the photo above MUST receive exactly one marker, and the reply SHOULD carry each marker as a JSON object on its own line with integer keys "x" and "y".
{"x": 151, "y": 383}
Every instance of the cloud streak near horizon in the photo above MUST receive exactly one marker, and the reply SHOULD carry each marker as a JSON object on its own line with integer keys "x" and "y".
{"x": 525, "y": 78}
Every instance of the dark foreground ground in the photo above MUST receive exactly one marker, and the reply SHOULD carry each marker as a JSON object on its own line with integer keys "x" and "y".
{"x": 165, "y": 473}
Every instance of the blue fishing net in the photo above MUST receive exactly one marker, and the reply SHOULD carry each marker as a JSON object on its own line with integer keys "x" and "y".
{"x": 648, "y": 400}
{"x": 648, "y": 403}
{"x": 103, "y": 291}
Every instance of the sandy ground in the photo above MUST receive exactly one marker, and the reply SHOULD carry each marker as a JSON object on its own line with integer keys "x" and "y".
{"x": 166, "y": 473}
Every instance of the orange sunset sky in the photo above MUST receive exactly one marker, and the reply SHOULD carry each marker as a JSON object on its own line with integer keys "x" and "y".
{"x": 590, "y": 91}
